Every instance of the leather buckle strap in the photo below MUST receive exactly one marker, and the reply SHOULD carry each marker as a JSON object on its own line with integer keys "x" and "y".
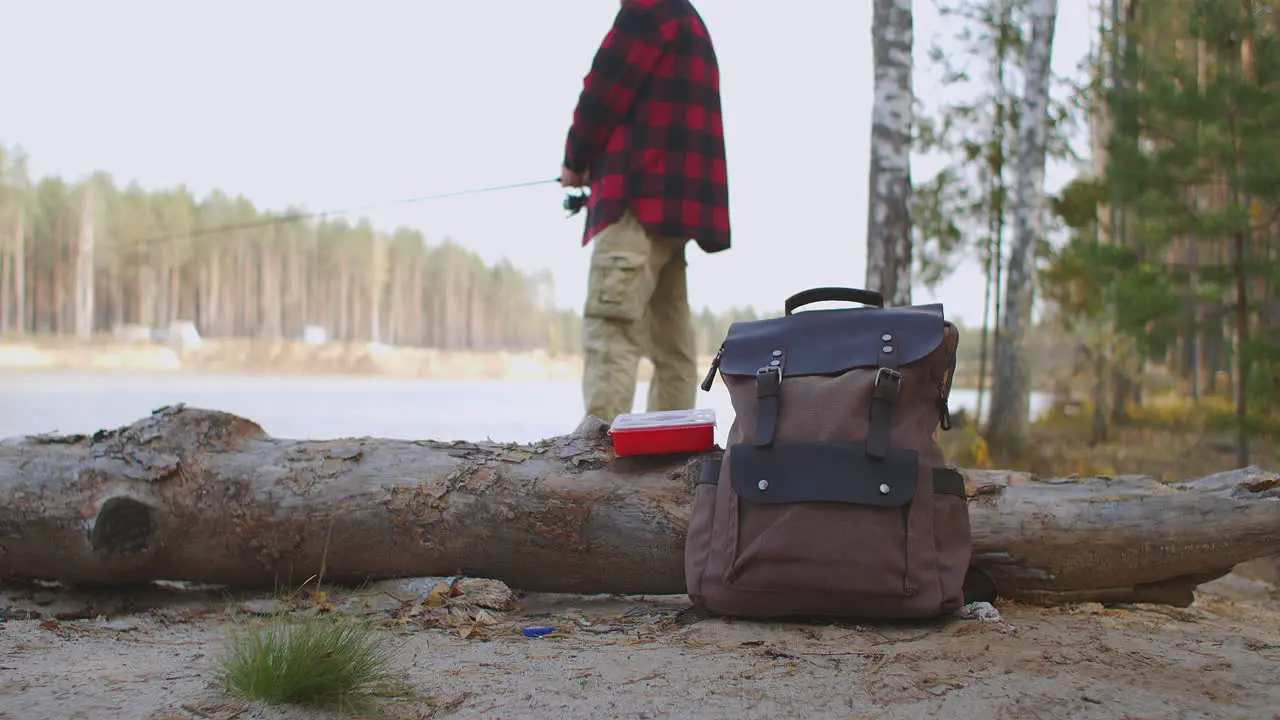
{"x": 768, "y": 386}
{"x": 884, "y": 395}
{"x": 709, "y": 473}
{"x": 888, "y": 384}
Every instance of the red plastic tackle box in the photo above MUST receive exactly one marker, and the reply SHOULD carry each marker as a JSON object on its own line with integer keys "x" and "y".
{"x": 668, "y": 431}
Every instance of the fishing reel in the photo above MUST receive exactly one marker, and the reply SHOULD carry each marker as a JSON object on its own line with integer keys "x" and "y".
{"x": 575, "y": 201}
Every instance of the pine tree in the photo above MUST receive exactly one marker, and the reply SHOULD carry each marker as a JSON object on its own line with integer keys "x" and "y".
{"x": 1193, "y": 168}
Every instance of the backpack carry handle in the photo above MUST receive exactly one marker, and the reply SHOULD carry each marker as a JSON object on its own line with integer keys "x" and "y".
{"x": 839, "y": 294}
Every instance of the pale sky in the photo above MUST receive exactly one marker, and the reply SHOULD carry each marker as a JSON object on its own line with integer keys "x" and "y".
{"x": 333, "y": 105}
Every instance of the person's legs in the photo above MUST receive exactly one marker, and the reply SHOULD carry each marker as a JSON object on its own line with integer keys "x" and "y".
{"x": 672, "y": 341}
{"x": 625, "y": 265}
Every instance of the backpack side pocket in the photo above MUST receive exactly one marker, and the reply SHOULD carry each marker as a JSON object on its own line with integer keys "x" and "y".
{"x": 698, "y": 537}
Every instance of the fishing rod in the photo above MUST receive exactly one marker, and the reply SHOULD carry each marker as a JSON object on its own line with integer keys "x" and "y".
{"x": 574, "y": 202}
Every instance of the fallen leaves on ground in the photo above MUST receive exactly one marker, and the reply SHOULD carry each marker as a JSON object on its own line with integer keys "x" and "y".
{"x": 465, "y": 604}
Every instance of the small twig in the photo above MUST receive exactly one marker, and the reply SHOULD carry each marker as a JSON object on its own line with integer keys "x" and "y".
{"x": 642, "y": 679}
{"x": 324, "y": 556}
{"x": 449, "y": 706}
{"x": 168, "y": 642}
{"x": 304, "y": 584}
{"x": 879, "y": 664}
{"x": 197, "y": 713}
{"x": 876, "y": 654}
{"x": 894, "y": 641}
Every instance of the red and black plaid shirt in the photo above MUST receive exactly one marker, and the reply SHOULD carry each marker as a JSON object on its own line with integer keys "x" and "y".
{"x": 648, "y": 127}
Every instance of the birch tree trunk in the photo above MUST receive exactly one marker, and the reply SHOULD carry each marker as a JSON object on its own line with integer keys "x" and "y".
{"x": 212, "y": 291}
{"x": 6, "y": 272}
{"x": 20, "y": 273}
{"x": 377, "y": 286}
{"x": 1010, "y": 402}
{"x": 85, "y": 271}
{"x": 1242, "y": 261}
{"x": 1201, "y": 204}
{"x": 888, "y": 208}
{"x": 344, "y": 301}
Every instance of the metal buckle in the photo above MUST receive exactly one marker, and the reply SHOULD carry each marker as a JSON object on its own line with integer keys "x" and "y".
{"x": 889, "y": 372}
{"x": 768, "y": 369}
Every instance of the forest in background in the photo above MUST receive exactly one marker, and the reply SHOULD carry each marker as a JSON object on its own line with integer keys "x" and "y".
{"x": 82, "y": 257}
{"x": 86, "y": 256}
{"x": 1157, "y": 267}
{"x": 71, "y": 250}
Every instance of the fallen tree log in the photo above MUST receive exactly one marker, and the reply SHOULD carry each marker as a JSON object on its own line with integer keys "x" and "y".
{"x": 197, "y": 495}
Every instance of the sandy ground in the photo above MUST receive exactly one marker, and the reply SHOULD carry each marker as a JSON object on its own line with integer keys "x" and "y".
{"x": 151, "y": 654}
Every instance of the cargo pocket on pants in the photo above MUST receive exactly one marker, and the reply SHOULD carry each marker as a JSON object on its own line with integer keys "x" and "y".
{"x": 616, "y": 285}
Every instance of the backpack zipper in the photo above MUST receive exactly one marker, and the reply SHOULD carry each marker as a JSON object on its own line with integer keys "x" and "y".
{"x": 711, "y": 374}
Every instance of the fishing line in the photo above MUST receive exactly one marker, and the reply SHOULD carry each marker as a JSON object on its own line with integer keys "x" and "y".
{"x": 571, "y": 203}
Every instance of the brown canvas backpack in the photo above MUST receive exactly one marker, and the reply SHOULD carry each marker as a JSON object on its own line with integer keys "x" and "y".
{"x": 832, "y": 498}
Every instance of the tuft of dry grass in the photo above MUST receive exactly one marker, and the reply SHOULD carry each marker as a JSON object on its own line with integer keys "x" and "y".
{"x": 328, "y": 660}
{"x": 965, "y": 447}
{"x": 1169, "y": 437}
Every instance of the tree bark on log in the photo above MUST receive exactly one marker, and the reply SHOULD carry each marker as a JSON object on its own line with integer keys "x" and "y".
{"x": 204, "y": 496}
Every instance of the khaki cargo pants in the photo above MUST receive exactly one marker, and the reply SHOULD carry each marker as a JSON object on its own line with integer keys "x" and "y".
{"x": 637, "y": 304}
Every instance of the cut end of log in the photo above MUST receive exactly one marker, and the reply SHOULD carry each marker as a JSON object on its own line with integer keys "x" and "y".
{"x": 123, "y": 529}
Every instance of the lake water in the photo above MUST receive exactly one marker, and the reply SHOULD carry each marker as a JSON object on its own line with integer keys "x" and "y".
{"x": 329, "y": 406}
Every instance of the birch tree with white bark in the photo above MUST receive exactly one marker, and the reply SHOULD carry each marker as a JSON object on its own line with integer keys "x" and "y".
{"x": 889, "y": 256}
{"x": 1010, "y": 422}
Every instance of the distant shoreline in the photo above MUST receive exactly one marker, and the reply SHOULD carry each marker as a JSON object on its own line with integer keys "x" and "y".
{"x": 240, "y": 356}
{"x": 252, "y": 357}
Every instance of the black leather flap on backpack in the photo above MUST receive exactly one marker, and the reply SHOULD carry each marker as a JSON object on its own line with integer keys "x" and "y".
{"x": 794, "y": 472}
{"x": 827, "y": 342}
